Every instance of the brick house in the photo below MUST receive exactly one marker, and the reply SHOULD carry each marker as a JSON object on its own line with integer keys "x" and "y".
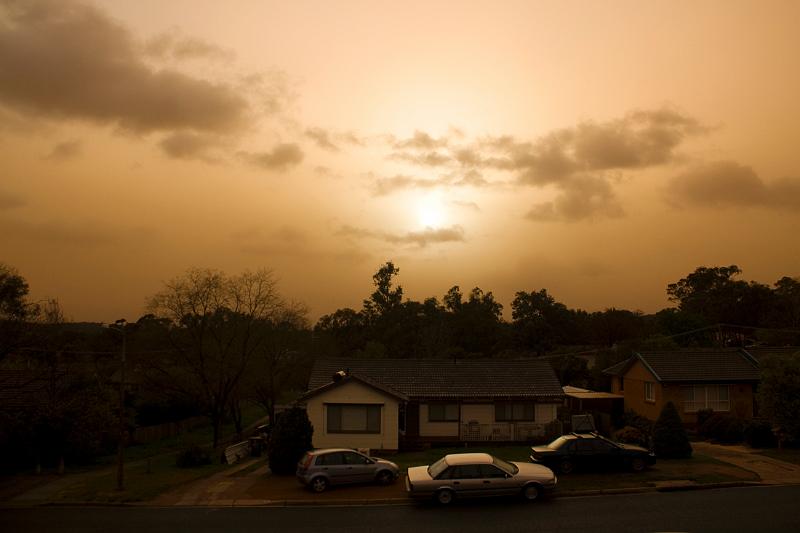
{"x": 723, "y": 380}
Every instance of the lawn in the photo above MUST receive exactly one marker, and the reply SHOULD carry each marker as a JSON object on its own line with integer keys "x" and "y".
{"x": 790, "y": 455}
{"x": 149, "y": 468}
{"x": 699, "y": 469}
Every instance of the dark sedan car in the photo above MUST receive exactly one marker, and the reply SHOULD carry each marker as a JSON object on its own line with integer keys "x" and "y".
{"x": 591, "y": 450}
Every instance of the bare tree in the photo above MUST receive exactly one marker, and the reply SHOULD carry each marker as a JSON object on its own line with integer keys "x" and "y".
{"x": 216, "y": 327}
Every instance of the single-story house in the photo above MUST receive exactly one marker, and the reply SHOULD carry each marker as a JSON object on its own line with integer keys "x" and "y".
{"x": 603, "y": 406}
{"x": 722, "y": 379}
{"x": 391, "y": 404}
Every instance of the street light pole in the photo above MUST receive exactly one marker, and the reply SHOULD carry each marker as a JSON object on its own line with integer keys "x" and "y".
{"x": 122, "y": 424}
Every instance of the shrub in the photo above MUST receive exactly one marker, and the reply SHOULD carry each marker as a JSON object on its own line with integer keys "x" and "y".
{"x": 702, "y": 416}
{"x": 758, "y": 434}
{"x": 631, "y": 435}
{"x": 191, "y": 457}
{"x": 723, "y": 428}
{"x": 290, "y": 439}
{"x": 669, "y": 436}
{"x": 634, "y": 419}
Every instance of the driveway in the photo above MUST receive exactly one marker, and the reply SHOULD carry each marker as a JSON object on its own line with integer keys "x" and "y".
{"x": 771, "y": 471}
{"x": 243, "y": 486}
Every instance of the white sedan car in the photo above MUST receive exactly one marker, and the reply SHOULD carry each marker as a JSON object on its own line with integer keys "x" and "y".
{"x": 478, "y": 475}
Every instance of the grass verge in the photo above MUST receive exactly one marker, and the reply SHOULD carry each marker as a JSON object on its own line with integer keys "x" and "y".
{"x": 790, "y": 455}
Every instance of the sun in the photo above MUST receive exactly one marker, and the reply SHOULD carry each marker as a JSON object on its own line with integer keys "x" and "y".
{"x": 431, "y": 212}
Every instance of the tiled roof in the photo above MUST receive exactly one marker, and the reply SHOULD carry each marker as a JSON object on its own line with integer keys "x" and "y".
{"x": 617, "y": 369}
{"x": 446, "y": 378}
{"x": 20, "y": 388}
{"x": 761, "y": 353}
{"x": 701, "y": 365}
{"x": 353, "y": 377}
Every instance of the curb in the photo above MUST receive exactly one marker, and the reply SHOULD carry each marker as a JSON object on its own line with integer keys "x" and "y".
{"x": 391, "y": 501}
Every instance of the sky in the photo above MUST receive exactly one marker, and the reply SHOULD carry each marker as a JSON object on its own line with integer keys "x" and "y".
{"x": 599, "y": 150}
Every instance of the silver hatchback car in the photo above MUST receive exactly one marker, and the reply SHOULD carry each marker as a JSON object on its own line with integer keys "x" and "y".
{"x": 319, "y": 469}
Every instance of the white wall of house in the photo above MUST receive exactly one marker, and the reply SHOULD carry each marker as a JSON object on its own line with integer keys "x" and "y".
{"x": 435, "y": 429}
{"x": 353, "y": 392}
{"x": 546, "y": 412}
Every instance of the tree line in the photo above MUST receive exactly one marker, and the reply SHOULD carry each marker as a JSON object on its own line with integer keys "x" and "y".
{"x": 212, "y": 342}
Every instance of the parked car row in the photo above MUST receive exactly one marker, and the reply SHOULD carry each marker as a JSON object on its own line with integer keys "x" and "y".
{"x": 469, "y": 475}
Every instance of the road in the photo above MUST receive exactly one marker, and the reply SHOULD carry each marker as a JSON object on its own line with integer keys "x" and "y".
{"x": 743, "y": 509}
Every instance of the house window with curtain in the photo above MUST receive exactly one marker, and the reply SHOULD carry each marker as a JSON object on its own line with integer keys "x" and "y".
{"x": 354, "y": 418}
{"x": 443, "y": 412}
{"x": 649, "y": 391}
{"x": 698, "y": 397}
{"x": 514, "y": 412}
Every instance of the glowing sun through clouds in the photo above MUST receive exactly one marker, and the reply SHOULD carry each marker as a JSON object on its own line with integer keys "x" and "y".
{"x": 431, "y": 212}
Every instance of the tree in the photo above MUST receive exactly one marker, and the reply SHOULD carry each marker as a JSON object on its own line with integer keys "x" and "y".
{"x": 669, "y": 436}
{"x": 779, "y": 394}
{"x": 277, "y": 359}
{"x": 15, "y": 310}
{"x": 539, "y": 321}
{"x": 385, "y": 299}
{"x": 289, "y": 440}
{"x": 216, "y": 326}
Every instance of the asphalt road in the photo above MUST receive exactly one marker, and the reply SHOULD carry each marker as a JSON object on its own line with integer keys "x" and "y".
{"x": 744, "y": 509}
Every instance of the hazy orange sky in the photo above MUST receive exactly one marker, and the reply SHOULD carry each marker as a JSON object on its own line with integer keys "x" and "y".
{"x": 599, "y": 150}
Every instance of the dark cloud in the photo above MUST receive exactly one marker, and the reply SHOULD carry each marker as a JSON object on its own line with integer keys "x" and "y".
{"x": 188, "y": 145}
{"x": 420, "y": 141}
{"x": 175, "y": 46}
{"x": 322, "y": 138}
{"x": 10, "y": 201}
{"x": 580, "y": 162}
{"x": 583, "y": 197}
{"x": 332, "y": 141}
{"x": 420, "y": 238}
{"x": 729, "y": 184}
{"x": 384, "y": 186}
{"x": 466, "y": 205}
{"x": 71, "y": 233}
{"x": 62, "y": 59}
{"x": 65, "y": 150}
{"x": 281, "y": 157}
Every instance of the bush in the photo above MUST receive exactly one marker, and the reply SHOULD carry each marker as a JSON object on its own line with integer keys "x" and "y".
{"x": 631, "y": 435}
{"x": 702, "y": 416}
{"x": 634, "y": 419}
{"x": 191, "y": 457}
{"x": 669, "y": 436}
{"x": 290, "y": 439}
{"x": 723, "y": 428}
{"x": 758, "y": 434}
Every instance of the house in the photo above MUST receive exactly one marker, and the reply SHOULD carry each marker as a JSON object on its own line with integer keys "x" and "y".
{"x": 723, "y": 380}
{"x": 389, "y": 404}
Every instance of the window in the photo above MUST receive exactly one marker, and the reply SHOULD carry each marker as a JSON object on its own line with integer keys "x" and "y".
{"x": 466, "y": 472}
{"x": 354, "y": 418}
{"x": 443, "y": 412}
{"x": 491, "y": 471}
{"x": 697, "y": 397}
{"x": 351, "y": 458}
{"x": 510, "y": 412}
{"x": 330, "y": 459}
{"x": 649, "y": 391}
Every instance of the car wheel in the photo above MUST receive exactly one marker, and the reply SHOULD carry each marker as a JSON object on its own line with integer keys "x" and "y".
{"x": 384, "y": 477}
{"x": 566, "y": 466}
{"x": 637, "y": 464}
{"x": 531, "y": 492}
{"x": 319, "y": 484}
{"x": 445, "y": 497}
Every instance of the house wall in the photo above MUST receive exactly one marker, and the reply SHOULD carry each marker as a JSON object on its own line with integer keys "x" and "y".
{"x": 482, "y": 413}
{"x": 435, "y": 429}
{"x": 635, "y": 378}
{"x": 741, "y": 397}
{"x": 354, "y": 393}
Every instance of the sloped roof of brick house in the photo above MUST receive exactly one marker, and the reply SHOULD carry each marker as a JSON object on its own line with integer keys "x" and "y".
{"x": 721, "y": 365}
{"x": 446, "y": 378}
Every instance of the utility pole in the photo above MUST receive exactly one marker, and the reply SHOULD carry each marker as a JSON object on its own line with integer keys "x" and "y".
{"x": 123, "y": 430}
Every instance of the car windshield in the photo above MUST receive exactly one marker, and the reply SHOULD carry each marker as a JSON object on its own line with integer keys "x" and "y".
{"x": 558, "y": 443}
{"x": 508, "y": 468}
{"x": 437, "y": 468}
